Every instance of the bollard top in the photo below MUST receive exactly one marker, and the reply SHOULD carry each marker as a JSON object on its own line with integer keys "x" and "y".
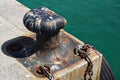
{"x": 43, "y": 21}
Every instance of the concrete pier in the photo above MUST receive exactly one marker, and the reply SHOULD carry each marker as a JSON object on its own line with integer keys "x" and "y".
{"x": 11, "y": 26}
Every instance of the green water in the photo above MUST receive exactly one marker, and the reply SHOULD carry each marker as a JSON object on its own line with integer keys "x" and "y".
{"x": 93, "y": 21}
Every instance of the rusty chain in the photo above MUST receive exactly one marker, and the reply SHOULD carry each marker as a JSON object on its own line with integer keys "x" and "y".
{"x": 83, "y": 51}
{"x": 45, "y": 72}
{"x": 80, "y": 50}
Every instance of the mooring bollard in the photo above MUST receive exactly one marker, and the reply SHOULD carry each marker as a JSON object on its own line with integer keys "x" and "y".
{"x": 50, "y": 51}
{"x": 46, "y": 24}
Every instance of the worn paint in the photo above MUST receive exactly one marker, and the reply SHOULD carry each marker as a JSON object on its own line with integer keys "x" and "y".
{"x": 68, "y": 71}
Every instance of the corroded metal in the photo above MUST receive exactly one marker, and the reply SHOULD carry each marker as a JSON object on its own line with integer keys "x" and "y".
{"x": 83, "y": 51}
{"x": 43, "y": 21}
{"x": 44, "y": 71}
{"x": 56, "y": 58}
{"x": 46, "y": 24}
{"x": 60, "y": 59}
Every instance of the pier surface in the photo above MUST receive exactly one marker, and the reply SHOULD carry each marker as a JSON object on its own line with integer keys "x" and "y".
{"x": 11, "y": 26}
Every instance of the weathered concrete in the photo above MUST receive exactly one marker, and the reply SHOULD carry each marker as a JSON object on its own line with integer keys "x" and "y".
{"x": 11, "y": 26}
{"x": 13, "y": 12}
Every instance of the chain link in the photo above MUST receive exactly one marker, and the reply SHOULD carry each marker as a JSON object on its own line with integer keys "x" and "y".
{"x": 83, "y": 51}
{"x": 45, "y": 71}
{"x": 80, "y": 50}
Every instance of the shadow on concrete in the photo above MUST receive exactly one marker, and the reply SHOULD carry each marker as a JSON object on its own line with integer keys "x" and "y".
{"x": 19, "y": 47}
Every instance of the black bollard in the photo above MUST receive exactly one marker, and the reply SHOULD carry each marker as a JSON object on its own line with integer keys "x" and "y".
{"x": 46, "y": 24}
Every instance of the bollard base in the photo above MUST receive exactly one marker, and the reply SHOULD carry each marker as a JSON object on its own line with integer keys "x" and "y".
{"x": 64, "y": 65}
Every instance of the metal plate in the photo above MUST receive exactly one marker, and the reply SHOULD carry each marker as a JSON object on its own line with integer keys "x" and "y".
{"x": 25, "y": 51}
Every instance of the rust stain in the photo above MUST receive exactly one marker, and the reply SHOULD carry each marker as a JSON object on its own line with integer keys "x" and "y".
{"x": 32, "y": 57}
{"x": 38, "y": 21}
{"x": 36, "y": 71}
{"x": 31, "y": 13}
{"x": 76, "y": 69}
{"x": 51, "y": 23}
{"x": 99, "y": 68}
